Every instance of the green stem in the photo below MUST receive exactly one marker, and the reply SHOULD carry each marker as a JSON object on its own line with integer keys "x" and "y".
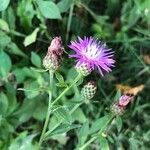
{"x": 87, "y": 9}
{"x": 69, "y": 21}
{"x": 97, "y": 135}
{"x": 51, "y": 105}
{"x": 74, "y": 82}
{"x": 88, "y": 143}
{"x": 51, "y": 73}
{"x": 73, "y": 109}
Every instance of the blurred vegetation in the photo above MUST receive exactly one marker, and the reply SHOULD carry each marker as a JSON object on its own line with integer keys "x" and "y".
{"x": 26, "y": 29}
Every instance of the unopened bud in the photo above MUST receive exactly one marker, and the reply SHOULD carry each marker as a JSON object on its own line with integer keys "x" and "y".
{"x": 51, "y": 62}
{"x": 53, "y": 58}
{"x": 56, "y": 46}
{"x": 83, "y": 69}
{"x": 88, "y": 91}
{"x": 119, "y": 107}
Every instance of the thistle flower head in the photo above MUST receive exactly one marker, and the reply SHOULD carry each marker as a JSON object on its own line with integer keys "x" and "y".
{"x": 93, "y": 53}
{"x": 119, "y": 107}
{"x": 89, "y": 90}
{"x": 53, "y": 57}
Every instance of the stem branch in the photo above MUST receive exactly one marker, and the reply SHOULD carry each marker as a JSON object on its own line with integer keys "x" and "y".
{"x": 96, "y": 136}
{"x": 50, "y": 105}
{"x": 50, "y": 131}
{"x": 67, "y": 88}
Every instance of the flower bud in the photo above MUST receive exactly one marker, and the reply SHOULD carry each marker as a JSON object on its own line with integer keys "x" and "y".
{"x": 51, "y": 62}
{"x": 53, "y": 58}
{"x": 88, "y": 91}
{"x": 119, "y": 107}
{"x": 56, "y": 46}
{"x": 83, "y": 69}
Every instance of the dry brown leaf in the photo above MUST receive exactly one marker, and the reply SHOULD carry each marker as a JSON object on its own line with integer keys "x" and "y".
{"x": 147, "y": 59}
{"x": 135, "y": 90}
{"x": 129, "y": 90}
{"x": 122, "y": 87}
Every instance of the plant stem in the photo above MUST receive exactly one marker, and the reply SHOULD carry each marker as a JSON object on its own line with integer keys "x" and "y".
{"x": 88, "y": 142}
{"x": 51, "y": 104}
{"x": 73, "y": 109}
{"x": 51, "y": 73}
{"x": 69, "y": 21}
{"x": 67, "y": 88}
{"x": 96, "y": 136}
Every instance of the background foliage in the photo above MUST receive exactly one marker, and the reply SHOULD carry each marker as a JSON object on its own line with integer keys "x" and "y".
{"x": 26, "y": 28}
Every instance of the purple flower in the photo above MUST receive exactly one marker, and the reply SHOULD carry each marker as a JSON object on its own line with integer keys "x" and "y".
{"x": 124, "y": 100}
{"x": 93, "y": 53}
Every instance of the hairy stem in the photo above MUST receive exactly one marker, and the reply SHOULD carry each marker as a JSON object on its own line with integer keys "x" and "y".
{"x": 67, "y": 88}
{"x": 52, "y": 103}
{"x": 51, "y": 73}
{"x": 73, "y": 109}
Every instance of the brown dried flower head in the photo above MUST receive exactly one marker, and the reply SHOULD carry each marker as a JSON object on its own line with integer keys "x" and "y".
{"x": 56, "y": 46}
{"x": 53, "y": 58}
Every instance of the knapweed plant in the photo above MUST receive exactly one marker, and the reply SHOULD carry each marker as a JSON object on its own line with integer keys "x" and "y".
{"x": 90, "y": 55}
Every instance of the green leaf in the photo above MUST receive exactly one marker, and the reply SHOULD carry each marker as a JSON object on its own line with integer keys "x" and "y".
{"x": 9, "y": 16}
{"x": 40, "y": 111}
{"x": 12, "y": 101}
{"x": 83, "y": 133}
{"x": 26, "y": 13}
{"x": 49, "y": 9}
{"x": 60, "y": 78}
{"x": 118, "y": 121}
{"x": 72, "y": 74}
{"x": 134, "y": 143}
{"x": 19, "y": 74}
{"x": 30, "y": 73}
{"x": 103, "y": 143}
{"x": 100, "y": 124}
{"x": 4, "y": 4}
{"x": 26, "y": 111}
{"x": 31, "y": 38}
{"x": 63, "y": 128}
{"x": 35, "y": 59}
{"x": 5, "y": 64}
{"x": 3, "y": 103}
{"x": 4, "y": 39}
{"x": 23, "y": 142}
{"x": 62, "y": 113}
{"x": 133, "y": 17}
{"x": 14, "y": 49}
{"x": 78, "y": 115}
{"x": 32, "y": 89}
{"x": 64, "y": 5}
{"x": 4, "y": 25}
{"x": 6, "y": 127}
